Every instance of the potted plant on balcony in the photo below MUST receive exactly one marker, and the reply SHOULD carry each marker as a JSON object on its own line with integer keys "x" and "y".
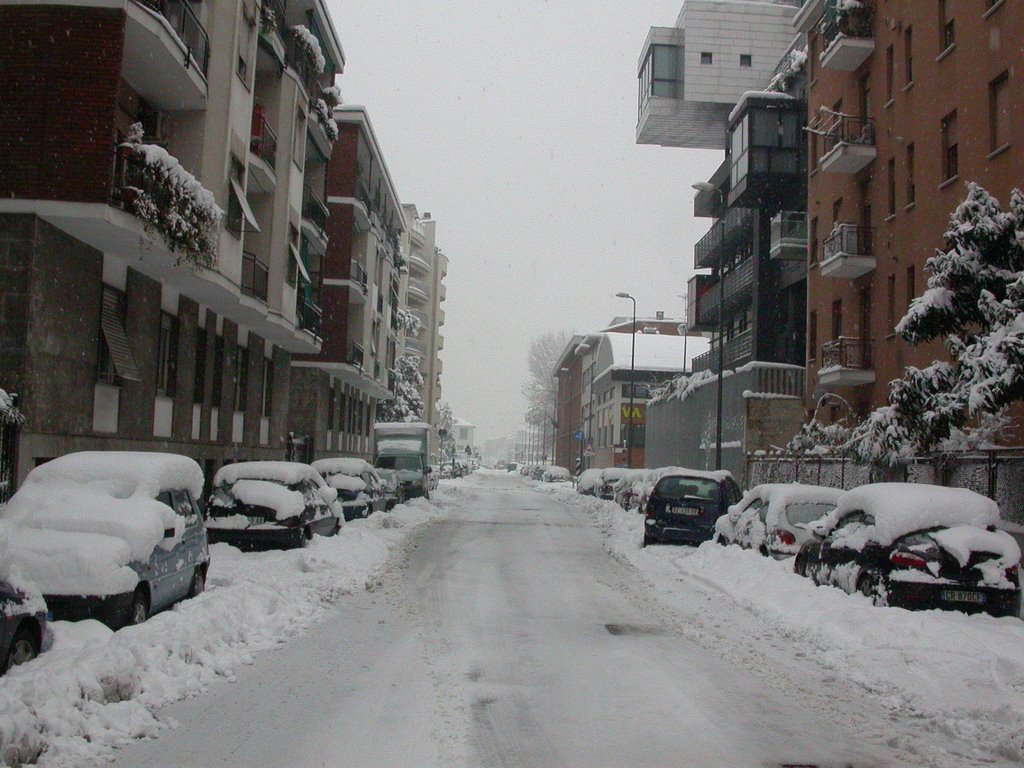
{"x": 307, "y": 42}
{"x": 319, "y": 108}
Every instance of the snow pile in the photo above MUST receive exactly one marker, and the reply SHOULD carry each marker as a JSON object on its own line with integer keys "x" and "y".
{"x": 588, "y": 481}
{"x": 261, "y": 493}
{"x": 96, "y": 689}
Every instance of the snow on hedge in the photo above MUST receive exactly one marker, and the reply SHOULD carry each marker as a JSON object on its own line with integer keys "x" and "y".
{"x": 96, "y": 688}
{"x": 308, "y": 42}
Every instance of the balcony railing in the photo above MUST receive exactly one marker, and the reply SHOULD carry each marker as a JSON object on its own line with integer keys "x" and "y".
{"x": 356, "y": 356}
{"x": 851, "y": 23}
{"x": 847, "y": 129}
{"x": 849, "y": 240}
{"x": 414, "y": 346}
{"x": 738, "y": 287}
{"x": 308, "y": 316}
{"x": 726, "y": 236}
{"x": 263, "y": 142}
{"x": 357, "y": 272}
{"x": 255, "y": 275}
{"x": 187, "y": 27}
{"x": 846, "y": 352}
{"x": 739, "y": 349}
{"x": 419, "y": 286}
{"x": 298, "y": 58}
{"x": 314, "y": 209}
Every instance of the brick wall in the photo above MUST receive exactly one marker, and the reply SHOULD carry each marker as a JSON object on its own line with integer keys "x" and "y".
{"x": 60, "y": 67}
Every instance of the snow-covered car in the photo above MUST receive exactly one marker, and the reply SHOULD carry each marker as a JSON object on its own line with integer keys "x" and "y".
{"x": 110, "y": 535}
{"x": 626, "y": 491}
{"x": 360, "y": 487}
{"x": 556, "y": 475}
{"x": 512, "y": 466}
{"x": 588, "y": 481}
{"x": 685, "y": 504}
{"x": 609, "y": 477}
{"x": 446, "y": 471}
{"x": 258, "y": 505}
{"x": 916, "y": 546}
{"x": 773, "y": 518}
{"x": 22, "y": 615}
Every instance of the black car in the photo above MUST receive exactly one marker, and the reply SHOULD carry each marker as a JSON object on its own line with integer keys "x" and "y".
{"x": 22, "y": 626}
{"x": 950, "y": 564}
{"x": 683, "y": 507}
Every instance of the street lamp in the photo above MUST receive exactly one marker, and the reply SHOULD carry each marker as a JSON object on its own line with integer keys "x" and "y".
{"x": 703, "y": 186}
{"x": 632, "y": 373}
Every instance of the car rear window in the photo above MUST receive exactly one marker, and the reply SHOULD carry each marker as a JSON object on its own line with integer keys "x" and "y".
{"x": 698, "y": 488}
{"x": 806, "y": 512}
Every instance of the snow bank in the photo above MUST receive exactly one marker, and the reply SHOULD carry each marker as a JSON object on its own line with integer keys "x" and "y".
{"x": 287, "y": 472}
{"x": 96, "y": 689}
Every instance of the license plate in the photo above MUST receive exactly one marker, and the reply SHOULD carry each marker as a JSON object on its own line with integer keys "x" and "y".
{"x": 961, "y": 596}
{"x": 690, "y": 511}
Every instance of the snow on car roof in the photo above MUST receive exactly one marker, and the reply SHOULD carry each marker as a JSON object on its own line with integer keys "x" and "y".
{"x": 272, "y": 495}
{"x": 123, "y": 473}
{"x": 781, "y": 495}
{"x": 73, "y": 563}
{"x": 287, "y": 472}
{"x": 902, "y": 508}
{"x": 343, "y": 482}
{"x": 344, "y": 465}
{"x": 718, "y": 475}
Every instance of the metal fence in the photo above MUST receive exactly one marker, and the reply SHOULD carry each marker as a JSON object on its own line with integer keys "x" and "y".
{"x": 998, "y": 474}
{"x": 8, "y": 465}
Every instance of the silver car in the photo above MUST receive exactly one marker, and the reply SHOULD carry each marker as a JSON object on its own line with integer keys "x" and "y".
{"x": 773, "y": 518}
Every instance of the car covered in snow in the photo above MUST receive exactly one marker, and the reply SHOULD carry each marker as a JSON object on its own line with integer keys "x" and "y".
{"x": 361, "y": 490}
{"x": 258, "y": 505}
{"x": 553, "y": 474}
{"x": 916, "y": 546}
{"x": 110, "y": 535}
{"x": 684, "y": 505}
{"x": 22, "y": 614}
{"x": 588, "y": 481}
{"x": 628, "y": 488}
{"x": 609, "y": 477}
{"x": 773, "y": 518}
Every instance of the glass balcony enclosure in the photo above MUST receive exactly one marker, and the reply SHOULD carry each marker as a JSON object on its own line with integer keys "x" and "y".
{"x": 765, "y": 143}
{"x": 657, "y": 76}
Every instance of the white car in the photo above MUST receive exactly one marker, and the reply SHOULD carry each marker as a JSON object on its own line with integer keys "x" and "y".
{"x": 774, "y": 518}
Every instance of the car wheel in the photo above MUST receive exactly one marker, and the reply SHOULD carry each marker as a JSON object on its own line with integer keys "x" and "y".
{"x": 721, "y": 540}
{"x": 139, "y": 610}
{"x": 198, "y": 585}
{"x": 23, "y": 648}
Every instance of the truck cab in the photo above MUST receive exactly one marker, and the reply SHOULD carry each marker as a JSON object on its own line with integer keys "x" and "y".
{"x": 403, "y": 448}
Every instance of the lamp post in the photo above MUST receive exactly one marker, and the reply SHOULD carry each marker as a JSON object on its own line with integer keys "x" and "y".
{"x": 703, "y": 186}
{"x": 632, "y": 373}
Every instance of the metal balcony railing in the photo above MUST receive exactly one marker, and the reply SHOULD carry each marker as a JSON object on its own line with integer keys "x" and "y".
{"x": 308, "y": 316}
{"x": 357, "y": 272}
{"x": 739, "y": 349}
{"x": 314, "y": 209}
{"x": 263, "y": 142}
{"x": 849, "y": 240}
{"x": 726, "y": 236}
{"x": 255, "y": 276}
{"x": 738, "y": 288}
{"x": 846, "y": 352}
{"x": 847, "y": 129}
{"x": 186, "y": 25}
{"x": 855, "y": 22}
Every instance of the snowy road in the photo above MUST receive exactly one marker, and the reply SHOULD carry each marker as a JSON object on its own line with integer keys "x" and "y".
{"x": 510, "y": 637}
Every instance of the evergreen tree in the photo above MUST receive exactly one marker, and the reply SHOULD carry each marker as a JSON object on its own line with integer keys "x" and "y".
{"x": 407, "y": 404}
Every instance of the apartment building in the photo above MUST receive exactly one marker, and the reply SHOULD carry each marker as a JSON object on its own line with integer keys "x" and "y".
{"x": 909, "y": 101}
{"x": 160, "y": 169}
{"x": 334, "y": 393}
{"x": 425, "y": 294}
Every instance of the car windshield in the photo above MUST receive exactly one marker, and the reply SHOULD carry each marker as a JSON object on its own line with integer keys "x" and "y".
{"x": 406, "y": 463}
{"x": 803, "y": 512}
{"x": 693, "y": 488}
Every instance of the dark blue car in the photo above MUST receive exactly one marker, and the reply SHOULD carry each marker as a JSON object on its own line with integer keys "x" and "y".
{"x": 684, "y": 505}
{"x": 22, "y": 626}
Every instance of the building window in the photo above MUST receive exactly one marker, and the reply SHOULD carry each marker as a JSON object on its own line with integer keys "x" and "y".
{"x": 199, "y": 378}
{"x": 889, "y": 73}
{"x": 812, "y": 336}
{"x": 812, "y": 255}
{"x": 947, "y": 26}
{"x": 950, "y": 156}
{"x": 746, "y": 60}
{"x": 218, "y": 371}
{"x": 241, "y": 375}
{"x": 167, "y": 355}
{"x": 115, "y": 361}
{"x": 890, "y": 306}
{"x": 999, "y": 112}
{"x": 891, "y": 179}
{"x": 268, "y": 386}
{"x": 246, "y": 31}
{"x": 837, "y": 318}
{"x": 911, "y": 288}
{"x": 837, "y": 209}
{"x": 908, "y": 55}
{"x": 911, "y": 190}
{"x": 299, "y": 138}
{"x": 706, "y": 57}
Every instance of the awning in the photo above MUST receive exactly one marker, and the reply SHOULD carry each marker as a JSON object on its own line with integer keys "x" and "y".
{"x": 244, "y": 202}
{"x": 298, "y": 260}
{"x": 117, "y": 339}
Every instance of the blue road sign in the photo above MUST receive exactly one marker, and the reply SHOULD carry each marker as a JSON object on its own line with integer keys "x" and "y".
{"x": 578, "y": 435}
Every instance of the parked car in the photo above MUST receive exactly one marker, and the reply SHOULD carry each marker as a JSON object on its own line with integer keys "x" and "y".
{"x": 359, "y": 485}
{"x": 512, "y": 466}
{"x": 22, "y": 624}
{"x": 609, "y": 477}
{"x": 684, "y": 505}
{"x": 773, "y": 518}
{"x": 588, "y": 481}
{"x": 446, "y": 471}
{"x": 626, "y": 491}
{"x": 556, "y": 475}
{"x": 916, "y": 546}
{"x": 110, "y": 535}
{"x": 258, "y": 505}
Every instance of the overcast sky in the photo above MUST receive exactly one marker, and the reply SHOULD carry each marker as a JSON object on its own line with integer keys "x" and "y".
{"x": 513, "y": 123}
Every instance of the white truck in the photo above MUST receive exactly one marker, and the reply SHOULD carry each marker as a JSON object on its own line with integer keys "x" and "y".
{"x": 403, "y": 448}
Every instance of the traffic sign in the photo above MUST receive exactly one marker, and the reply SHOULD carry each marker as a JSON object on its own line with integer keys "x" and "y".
{"x": 589, "y": 450}
{"x": 578, "y": 435}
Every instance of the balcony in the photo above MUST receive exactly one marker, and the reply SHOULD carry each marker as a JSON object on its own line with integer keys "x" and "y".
{"x": 414, "y": 347}
{"x": 274, "y": 27}
{"x": 166, "y": 53}
{"x": 846, "y": 362}
{"x": 789, "y": 235}
{"x": 255, "y": 276}
{"x": 848, "y": 38}
{"x": 358, "y": 283}
{"x": 738, "y": 288}
{"x": 726, "y": 237}
{"x": 418, "y": 290}
{"x": 738, "y": 350}
{"x": 314, "y": 218}
{"x": 849, "y": 143}
{"x": 419, "y": 260}
{"x": 849, "y": 252}
{"x": 308, "y": 316}
{"x": 299, "y": 60}
{"x": 262, "y": 151}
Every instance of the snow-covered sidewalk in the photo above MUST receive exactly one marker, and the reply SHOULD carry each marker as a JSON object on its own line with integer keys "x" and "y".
{"x": 96, "y": 688}
{"x": 959, "y": 675}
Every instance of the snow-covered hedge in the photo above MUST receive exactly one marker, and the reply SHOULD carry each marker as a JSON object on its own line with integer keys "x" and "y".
{"x": 408, "y": 321}
{"x": 308, "y": 42}
{"x": 319, "y": 108}
{"x": 171, "y": 201}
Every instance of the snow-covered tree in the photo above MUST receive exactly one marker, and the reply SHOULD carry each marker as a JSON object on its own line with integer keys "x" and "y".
{"x": 9, "y": 413}
{"x": 974, "y": 303}
{"x": 407, "y": 404}
{"x": 446, "y": 430}
{"x": 541, "y": 388}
